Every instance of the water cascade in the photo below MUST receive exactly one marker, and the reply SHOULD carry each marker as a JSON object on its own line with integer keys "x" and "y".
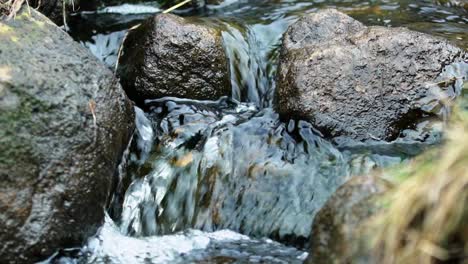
{"x": 220, "y": 180}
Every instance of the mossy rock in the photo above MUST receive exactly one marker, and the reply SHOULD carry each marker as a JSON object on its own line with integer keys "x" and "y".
{"x": 65, "y": 123}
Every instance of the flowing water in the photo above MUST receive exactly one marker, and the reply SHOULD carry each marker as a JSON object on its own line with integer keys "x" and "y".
{"x": 222, "y": 181}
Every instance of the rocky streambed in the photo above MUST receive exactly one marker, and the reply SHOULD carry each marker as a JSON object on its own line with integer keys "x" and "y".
{"x": 217, "y": 133}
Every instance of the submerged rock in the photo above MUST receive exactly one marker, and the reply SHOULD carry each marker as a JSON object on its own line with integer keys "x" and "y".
{"x": 333, "y": 238}
{"x": 172, "y": 56}
{"x": 65, "y": 123}
{"x": 361, "y": 82}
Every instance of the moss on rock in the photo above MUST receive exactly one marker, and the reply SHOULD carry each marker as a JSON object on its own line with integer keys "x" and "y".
{"x": 58, "y": 155}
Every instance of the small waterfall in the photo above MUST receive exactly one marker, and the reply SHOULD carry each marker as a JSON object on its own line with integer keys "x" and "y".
{"x": 105, "y": 46}
{"x": 218, "y": 165}
{"x": 197, "y": 168}
{"x": 253, "y": 52}
{"x": 145, "y": 134}
{"x": 225, "y": 164}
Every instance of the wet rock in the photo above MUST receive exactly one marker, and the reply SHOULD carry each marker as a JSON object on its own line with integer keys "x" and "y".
{"x": 335, "y": 228}
{"x": 360, "y": 82}
{"x": 65, "y": 123}
{"x": 172, "y": 56}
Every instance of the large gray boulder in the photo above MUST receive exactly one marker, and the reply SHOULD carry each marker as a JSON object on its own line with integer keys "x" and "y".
{"x": 65, "y": 122}
{"x": 356, "y": 81}
{"x": 172, "y": 56}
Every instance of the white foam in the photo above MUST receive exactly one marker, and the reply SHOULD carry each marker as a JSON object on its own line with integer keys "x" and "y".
{"x": 223, "y": 4}
{"x": 145, "y": 134}
{"x": 303, "y": 256}
{"x": 225, "y": 235}
{"x": 112, "y": 245}
{"x": 128, "y": 9}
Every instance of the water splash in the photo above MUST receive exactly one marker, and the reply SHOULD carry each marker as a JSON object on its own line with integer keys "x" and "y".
{"x": 218, "y": 165}
{"x": 190, "y": 246}
{"x": 127, "y": 9}
{"x": 105, "y": 46}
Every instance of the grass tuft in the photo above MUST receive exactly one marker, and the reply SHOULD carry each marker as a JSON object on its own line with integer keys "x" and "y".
{"x": 427, "y": 217}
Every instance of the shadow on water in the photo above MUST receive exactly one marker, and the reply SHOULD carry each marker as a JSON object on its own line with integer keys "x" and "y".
{"x": 232, "y": 164}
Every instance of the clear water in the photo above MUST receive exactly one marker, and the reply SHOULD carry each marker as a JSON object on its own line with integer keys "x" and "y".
{"x": 218, "y": 181}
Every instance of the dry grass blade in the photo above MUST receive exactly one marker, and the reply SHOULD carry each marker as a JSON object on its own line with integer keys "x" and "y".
{"x": 176, "y": 6}
{"x": 8, "y": 9}
{"x": 427, "y": 220}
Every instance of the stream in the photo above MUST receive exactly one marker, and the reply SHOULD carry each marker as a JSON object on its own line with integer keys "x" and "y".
{"x": 227, "y": 181}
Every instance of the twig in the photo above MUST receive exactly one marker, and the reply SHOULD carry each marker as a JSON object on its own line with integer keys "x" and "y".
{"x": 14, "y": 8}
{"x": 64, "y": 14}
{"x": 176, "y": 6}
{"x": 92, "y": 107}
